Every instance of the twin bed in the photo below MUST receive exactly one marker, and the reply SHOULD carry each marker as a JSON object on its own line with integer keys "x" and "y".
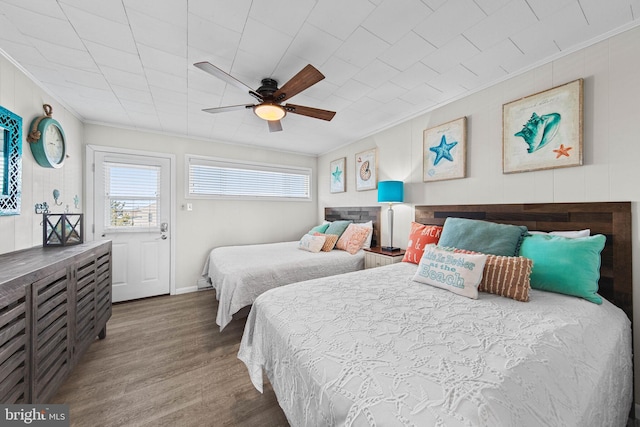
{"x": 374, "y": 347}
{"x": 240, "y": 273}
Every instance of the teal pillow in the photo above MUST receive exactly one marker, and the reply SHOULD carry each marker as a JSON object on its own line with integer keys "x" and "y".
{"x": 482, "y": 236}
{"x": 338, "y": 227}
{"x": 566, "y": 266}
{"x": 319, "y": 228}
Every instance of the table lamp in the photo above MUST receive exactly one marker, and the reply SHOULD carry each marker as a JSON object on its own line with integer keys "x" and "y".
{"x": 390, "y": 192}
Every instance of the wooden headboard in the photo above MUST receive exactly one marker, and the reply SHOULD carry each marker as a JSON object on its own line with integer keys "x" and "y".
{"x": 613, "y": 219}
{"x": 357, "y": 214}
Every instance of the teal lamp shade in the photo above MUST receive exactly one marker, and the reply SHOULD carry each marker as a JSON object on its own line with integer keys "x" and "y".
{"x": 390, "y": 192}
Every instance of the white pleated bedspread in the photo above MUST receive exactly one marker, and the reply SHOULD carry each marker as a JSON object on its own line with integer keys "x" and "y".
{"x": 240, "y": 273}
{"x": 374, "y": 348}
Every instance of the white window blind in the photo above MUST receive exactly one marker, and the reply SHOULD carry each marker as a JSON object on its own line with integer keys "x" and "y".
{"x": 212, "y": 177}
{"x": 132, "y": 196}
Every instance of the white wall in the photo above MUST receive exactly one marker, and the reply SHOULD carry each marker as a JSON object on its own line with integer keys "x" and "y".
{"x": 212, "y": 222}
{"x": 21, "y": 96}
{"x": 611, "y": 169}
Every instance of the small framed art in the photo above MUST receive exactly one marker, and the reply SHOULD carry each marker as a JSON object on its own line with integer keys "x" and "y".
{"x": 338, "y": 175}
{"x": 444, "y": 151}
{"x": 367, "y": 170}
{"x": 543, "y": 130}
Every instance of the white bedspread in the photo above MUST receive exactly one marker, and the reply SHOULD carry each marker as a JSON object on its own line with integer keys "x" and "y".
{"x": 375, "y": 348}
{"x": 240, "y": 273}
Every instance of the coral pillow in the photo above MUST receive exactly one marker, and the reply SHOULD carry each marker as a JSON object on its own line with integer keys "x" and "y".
{"x": 420, "y": 236}
{"x": 330, "y": 241}
{"x": 353, "y": 238}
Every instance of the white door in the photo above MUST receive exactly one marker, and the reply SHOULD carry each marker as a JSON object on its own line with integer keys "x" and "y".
{"x": 132, "y": 208}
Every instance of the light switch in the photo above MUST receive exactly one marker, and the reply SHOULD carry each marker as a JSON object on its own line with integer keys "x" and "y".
{"x": 189, "y": 206}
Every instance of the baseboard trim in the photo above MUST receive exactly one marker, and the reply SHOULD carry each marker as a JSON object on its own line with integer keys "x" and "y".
{"x": 186, "y": 290}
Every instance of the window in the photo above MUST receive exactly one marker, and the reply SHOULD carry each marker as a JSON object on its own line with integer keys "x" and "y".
{"x": 132, "y": 196}
{"x": 221, "y": 178}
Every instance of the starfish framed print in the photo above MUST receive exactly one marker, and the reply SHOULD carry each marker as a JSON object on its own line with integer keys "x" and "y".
{"x": 367, "y": 170}
{"x": 338, "y": 175}
{"x": 445, "y": 147}
{"x": 544, "y": 130}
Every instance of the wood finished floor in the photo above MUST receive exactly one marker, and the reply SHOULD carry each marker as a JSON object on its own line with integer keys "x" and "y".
{"x": 165, "y": 363}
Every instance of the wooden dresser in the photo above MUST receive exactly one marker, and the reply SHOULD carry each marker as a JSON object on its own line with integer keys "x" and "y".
{"x": 54, "y": 302}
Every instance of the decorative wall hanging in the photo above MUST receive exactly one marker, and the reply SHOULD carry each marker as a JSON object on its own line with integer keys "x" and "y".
{"x": 544, "y": 130}
{"x": 367, "y": 170}
{"x": 10, "y": 162}
{"x": 62, "y": 229}
{"x": 46, "y": 140}
{"x": 444, "y": 151}
{"x": 338, "y": 175}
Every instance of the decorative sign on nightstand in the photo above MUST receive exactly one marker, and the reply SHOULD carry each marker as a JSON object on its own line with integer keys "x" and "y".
{"x": 62, "y": 229}
{"x": 377, "y": 257}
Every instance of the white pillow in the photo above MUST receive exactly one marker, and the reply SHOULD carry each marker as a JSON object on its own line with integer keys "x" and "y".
{"x": 568, "y": 234}
{"x": 311, "y": 243}
{"x": 455, "y": 272}
{"x": 367, "y": 243}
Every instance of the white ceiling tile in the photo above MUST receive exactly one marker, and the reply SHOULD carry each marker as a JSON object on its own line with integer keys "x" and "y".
{"x": 168, "y": 97}
{"x": 110, "y": 10}
{"x": 361, "y": 48}
{"x": 603, "y": 15}
{"x": 421, "y": 94}
{"x": 536, "y": 42}
{"x": 282, "y": 15}
{"x": 414, "y": 76}
{"x": 117, "y": 77}
{"x": 210, "y": 37}
{"x": 507, "y": 21}
{"x": 354, "y": 90}
{"x": 24, "y": 54}
{"x": 155, "y": 59}
{"x": 126, "y": 93}
{"x": 491, "y": 6}
{"x": 314, "y": 45}
{"x": 165, "y": 80}
{"x": 407, "y": 51}
{"x": 114, "y": 58}
{"x": 366, "y": 105}
{"x": 546, "y": 8}
{"x": 376, "y": 74}
{"x": 343, "y": 23}
{"x": 451, "y": 54}
{"x": 229, "y": 14}
{"x": 387, "y": 92}
{"x": 138, "y": 107}
{"x": 64, "y": 56}
{"x": 100, "y": 30}
{"x": 262, "y": 44}
{"x": 173, "y": 12}
{"x": 338, "y": 71}
{"x": 47, "y": 8}
{"x": 434, "y": 4}
{"x": 451, "y": 19}
{"x": 573, "y": 25}
{"x": 392, "y": 19}
{"x": 158, "y": 34}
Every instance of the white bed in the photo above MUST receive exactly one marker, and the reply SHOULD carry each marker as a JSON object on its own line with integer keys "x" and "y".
{"x": 240, "y": 273}
{"x": 376, "y": 348}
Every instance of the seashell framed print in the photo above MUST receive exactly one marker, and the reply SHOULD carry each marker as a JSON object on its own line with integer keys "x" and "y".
{"x": 338, "y": 175}
{"x": 444, "y": 151}
{"x": 543, "y": 130}
{"x": 367, "y": 170}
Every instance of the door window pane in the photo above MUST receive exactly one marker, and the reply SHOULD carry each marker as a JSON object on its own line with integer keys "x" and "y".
{"x": 132, "y": 196}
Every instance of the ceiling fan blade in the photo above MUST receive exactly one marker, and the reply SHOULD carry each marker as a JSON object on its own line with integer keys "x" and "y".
{"x": 217, "y": 72}
{"x": 316, "y": 113}
{"x": 274, "y": 125}
{"x": 305, "y": 78}
{"x": 228, "y": 108}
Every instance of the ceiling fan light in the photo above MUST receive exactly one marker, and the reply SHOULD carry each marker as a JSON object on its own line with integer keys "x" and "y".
{"x": 269, "y": 112}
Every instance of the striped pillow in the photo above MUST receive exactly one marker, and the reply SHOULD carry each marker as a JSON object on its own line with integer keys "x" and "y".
{"x": 330, "y": 241}
{"x": 505, "y": 276}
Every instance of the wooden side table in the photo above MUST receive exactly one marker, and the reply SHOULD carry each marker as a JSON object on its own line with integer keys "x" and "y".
{"x": 377, "y": 257}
